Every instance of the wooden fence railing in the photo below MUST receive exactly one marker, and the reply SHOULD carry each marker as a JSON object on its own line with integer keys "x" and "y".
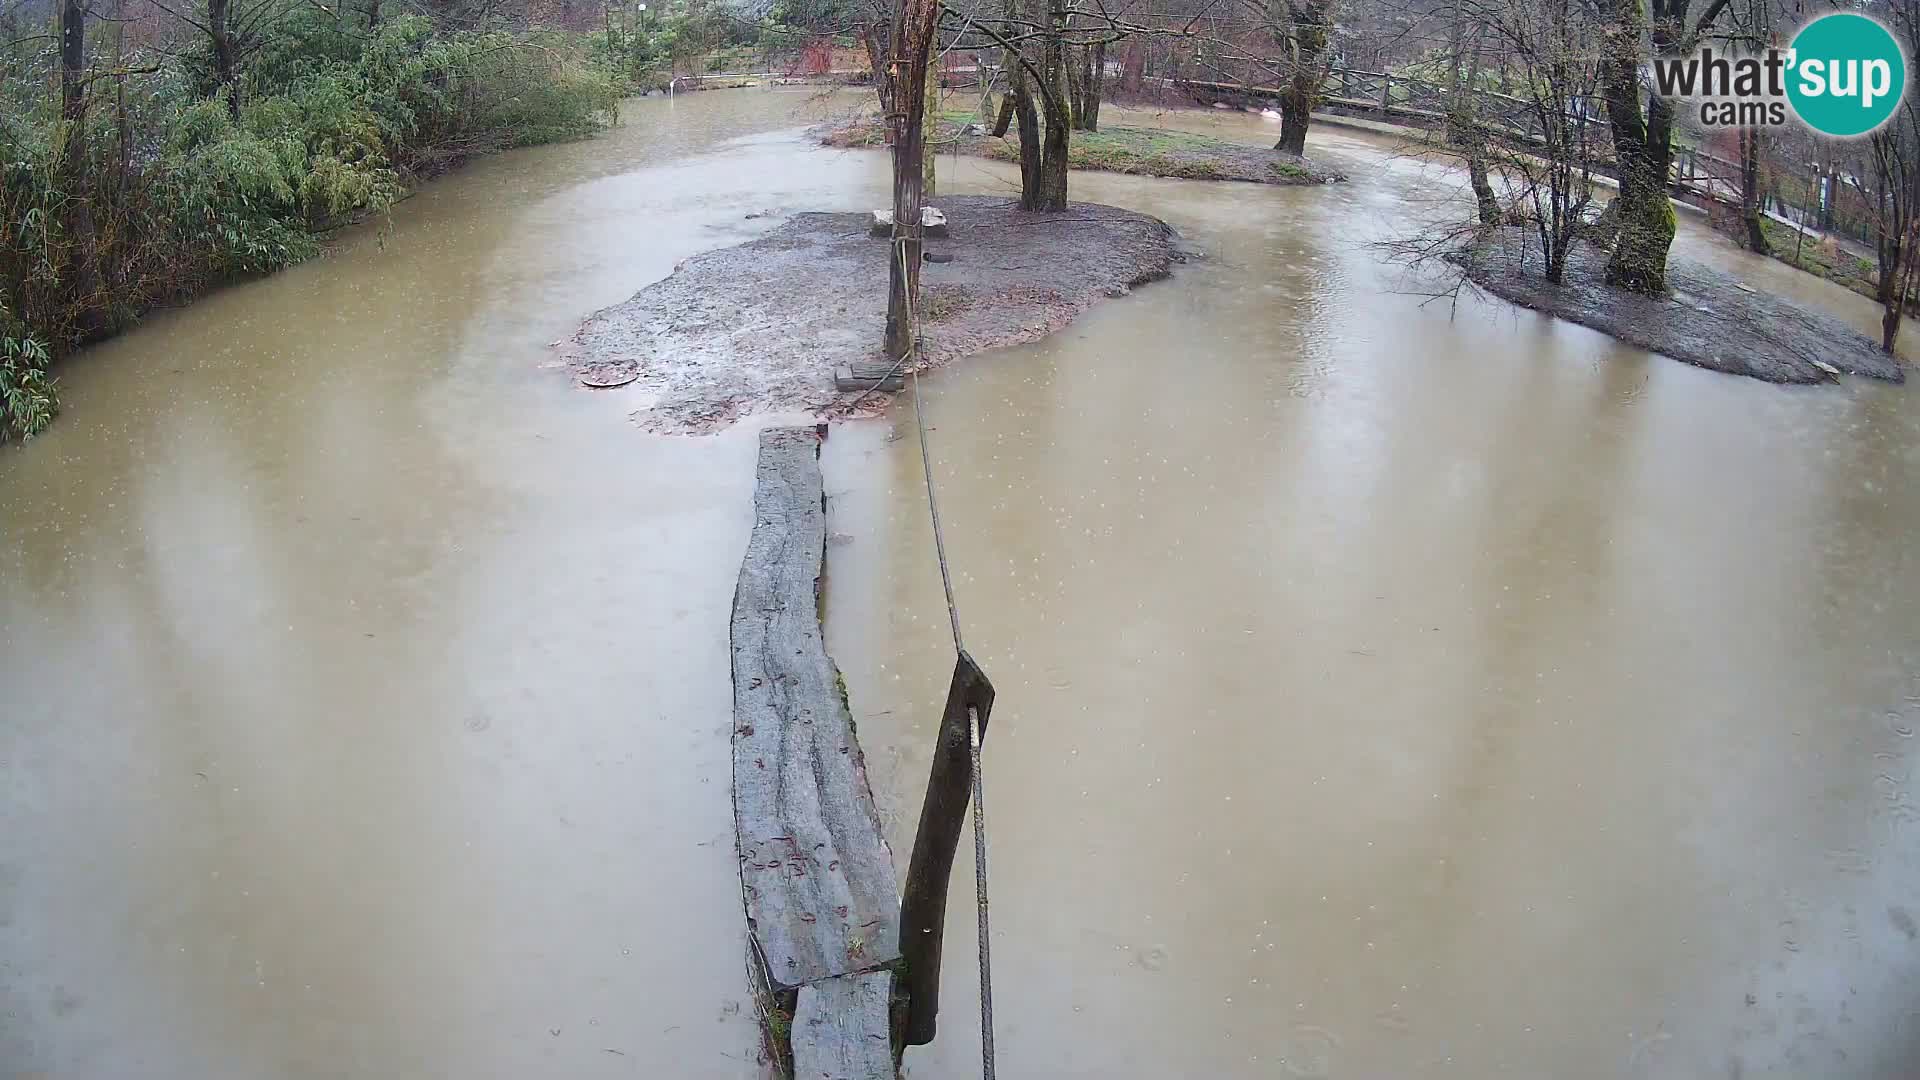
{"x": 1424, "y": 103}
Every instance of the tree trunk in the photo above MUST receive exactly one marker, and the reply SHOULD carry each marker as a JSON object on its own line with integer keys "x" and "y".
{"x": 1076, "y": 75}
{"x": 222, "y": 36}
{"x": 1643, "y": 152}
{"x": 874, "y": 37}
{"x": 83, "y": 283}
{"x": 1085, "y": 65}
{"x": 1050, "y": 183}
{"x": 1092, "y": 87}
{"x": 931, "y": 145}
{"x": 1888, "y": 290}
{"x": 1306, "y": 31}
{"x": 1133, "y": 67}
{"x": 1027, "y": 116}
{"x": 1463, "y": 121}
{"x": 1750, "y": 189}
{"x": 912, "y": 42}
{"x": 1293, "y": 126}
{"x": 1005, "y": 119}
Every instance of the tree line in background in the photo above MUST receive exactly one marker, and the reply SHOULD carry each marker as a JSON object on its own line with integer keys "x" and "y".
{"x": 152, "y": 148}
{"x": 1546, "y": 103}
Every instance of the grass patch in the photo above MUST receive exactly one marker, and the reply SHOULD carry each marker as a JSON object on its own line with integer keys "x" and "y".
{"x": 1139, "y": 151}
{"x": 1818, "y": 258}
{"x": 943, "y": 302}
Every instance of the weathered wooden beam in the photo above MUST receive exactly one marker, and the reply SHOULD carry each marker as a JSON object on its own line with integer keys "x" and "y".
{"x": 839, "y": 1029}
{"x": 814, "y": 865}
{"x": 868, "y": 376}
{"x": 923, "y": 908}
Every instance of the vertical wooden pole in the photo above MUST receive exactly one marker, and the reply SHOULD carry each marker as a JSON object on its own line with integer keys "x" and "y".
{"x": 923, "y": 905}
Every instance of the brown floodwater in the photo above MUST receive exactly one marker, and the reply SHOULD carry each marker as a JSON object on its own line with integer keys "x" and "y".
{"x": 1386, "y": 689}
{"x": 364, "y": 688}
{"x": 1389, "y": 690}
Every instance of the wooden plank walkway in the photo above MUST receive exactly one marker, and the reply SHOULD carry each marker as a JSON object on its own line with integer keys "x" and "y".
{"x": 822, "y": 901}
{"x": 840, "y": 1029}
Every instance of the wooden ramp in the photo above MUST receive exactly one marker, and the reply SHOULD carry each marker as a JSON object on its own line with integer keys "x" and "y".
{"x": 821, "y": 899}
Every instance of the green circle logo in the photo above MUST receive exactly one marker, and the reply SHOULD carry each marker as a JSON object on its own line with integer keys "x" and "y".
{"x": 1847, "y": 74}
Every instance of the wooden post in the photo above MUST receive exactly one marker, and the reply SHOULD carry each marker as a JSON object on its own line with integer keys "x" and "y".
{"x": 923, "y": 906}
{"x": 1386, "y": 93}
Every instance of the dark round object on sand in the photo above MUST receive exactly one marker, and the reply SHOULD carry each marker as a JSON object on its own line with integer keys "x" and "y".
{"x": 608, "y": 375}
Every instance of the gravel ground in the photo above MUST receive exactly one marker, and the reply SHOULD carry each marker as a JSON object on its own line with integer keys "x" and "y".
{"x": 758, "y": 328}
{"x": 1709, "y": 319}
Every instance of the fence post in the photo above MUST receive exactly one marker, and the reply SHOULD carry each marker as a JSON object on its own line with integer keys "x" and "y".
{"x": 923, "y": 900}
{"x": 1386, "y": 93}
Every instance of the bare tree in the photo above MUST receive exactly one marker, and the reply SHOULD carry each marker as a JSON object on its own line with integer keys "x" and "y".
{"x": 1465, "y": 132}
{"x": 1894, "y": 153}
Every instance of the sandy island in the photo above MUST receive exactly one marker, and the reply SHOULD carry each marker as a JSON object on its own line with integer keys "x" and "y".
{"x": 1709, "y": 319}
{"x": 759, "y": 327}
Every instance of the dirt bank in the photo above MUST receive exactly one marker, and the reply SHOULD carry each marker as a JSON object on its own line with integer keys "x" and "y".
{"x": 1709, "y": 319}
{"x": 759, "y": 328}
{"x": 1143, "y": 151}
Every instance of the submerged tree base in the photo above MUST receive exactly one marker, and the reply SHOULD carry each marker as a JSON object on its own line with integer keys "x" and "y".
{"x": 1708, "y": 319}
{"x": 760, "y": 327}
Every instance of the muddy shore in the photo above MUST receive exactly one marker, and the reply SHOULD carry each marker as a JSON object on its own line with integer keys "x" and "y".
{"x": 1709, "y": 319}
{"x": 758, "y": 328}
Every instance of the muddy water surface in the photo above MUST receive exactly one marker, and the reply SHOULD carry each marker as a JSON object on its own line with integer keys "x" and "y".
{"x": 364, "y": 689}
{"x": 1393, "y": 691}
{"x": 1383, "y": 692}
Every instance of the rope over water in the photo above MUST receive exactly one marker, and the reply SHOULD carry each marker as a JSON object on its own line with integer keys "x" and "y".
{"x": 973, "y": 715}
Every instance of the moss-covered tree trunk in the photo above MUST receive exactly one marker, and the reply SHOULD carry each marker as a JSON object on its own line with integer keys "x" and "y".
{"x": 1050, "y": 189}
{"x": 1042, "y": 108}
{"x": 1643, "y": 136}
{"x": 1643, "y": 152}
{"x": 1303, "y": 29}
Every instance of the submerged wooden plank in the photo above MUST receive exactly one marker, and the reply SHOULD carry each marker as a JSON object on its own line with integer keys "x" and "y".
{"x": 852, "y": 377}
{"x": 839, "y": 1029}
{"x": 821, "y": 896}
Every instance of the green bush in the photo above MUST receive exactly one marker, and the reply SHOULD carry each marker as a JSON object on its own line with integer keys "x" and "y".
{"x": 27, "y": 401}
{"x": 170, "y": 186}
